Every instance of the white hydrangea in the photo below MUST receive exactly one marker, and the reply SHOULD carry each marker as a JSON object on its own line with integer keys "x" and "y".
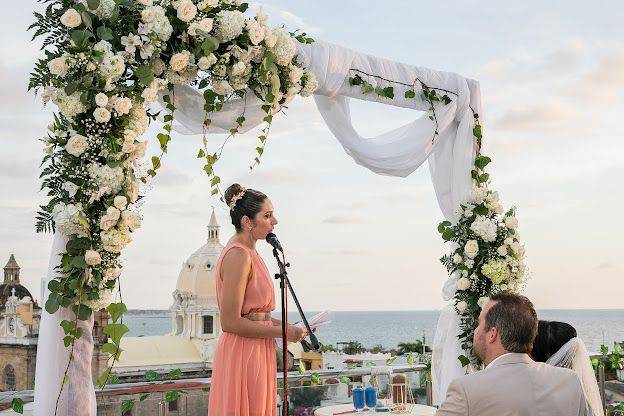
{"x": 478, "y": 195}
{"x": 511, "y": 223}
{"x": 108, "y": 180}
{"x": 204, "y": 4}
{"x": 484, "y": 228}
{"x": 105, "y": 9}
{"x": 115, "y": 240}
{"x": 103, "y": 46}
{"x": 222, "y": 87}
{"x": 502, "y": 250}
{"x": 295, "y": 73}
{"x": 106, "y": 297}
{"x": 70, "y": 106}
{"x": 256, "y": 32}
{"x": 463, "y": 283}
{"x": 138, "y": 119}
{"x": 112, "y": 66}
{"x": 482, "y": 301}
{"x": 310, "y": 84}
{"x": 131, "y": 43}
{"x": 155, "y": 22}
{"x": 70, "y": 219}
{"x": 206, "y": 62}
{"x": 496, "y": 270}
{"x": 285, "y": 47}
{"x": 469, "y": 263}
{"x": 461, "y": 306}
{"x": 229, "y": 25}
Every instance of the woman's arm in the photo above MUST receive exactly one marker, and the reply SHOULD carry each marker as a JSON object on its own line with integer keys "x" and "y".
{"x": 235, "y": 270}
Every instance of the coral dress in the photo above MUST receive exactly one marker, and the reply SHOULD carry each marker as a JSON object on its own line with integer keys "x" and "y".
{"x": 244, "y": 369}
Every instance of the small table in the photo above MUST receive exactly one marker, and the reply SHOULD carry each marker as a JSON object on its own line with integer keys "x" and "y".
{"x": 417, "y": 410}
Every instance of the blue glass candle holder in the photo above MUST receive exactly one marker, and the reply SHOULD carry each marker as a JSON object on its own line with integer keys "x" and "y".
{"x": 370, "y": 394}
{"x": 359, "y": 400}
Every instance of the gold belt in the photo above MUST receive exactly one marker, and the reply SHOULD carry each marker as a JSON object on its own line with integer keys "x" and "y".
{"x": 258, "y": 316}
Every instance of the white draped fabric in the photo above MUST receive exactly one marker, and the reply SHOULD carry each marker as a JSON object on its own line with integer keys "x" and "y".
{"x": 78, "y": 395}
{"x": 397, "y": 152}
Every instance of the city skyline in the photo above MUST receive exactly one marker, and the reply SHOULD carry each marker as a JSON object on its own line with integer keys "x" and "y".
{"x": 551, "y": 86}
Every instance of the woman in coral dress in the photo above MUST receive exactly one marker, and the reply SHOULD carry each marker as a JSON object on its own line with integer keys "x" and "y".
{"x": 244, "y": 365}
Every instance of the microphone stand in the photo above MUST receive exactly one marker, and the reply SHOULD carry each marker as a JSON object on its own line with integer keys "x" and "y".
{"x": 284, "y": 282}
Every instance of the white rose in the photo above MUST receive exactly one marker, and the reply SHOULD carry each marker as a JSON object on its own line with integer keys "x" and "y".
{"x": 145, "y": 2}
{"x": 502, "y": 250}
{"x": 71, "y": 18}
{"x": 71, "y": 188}
{"x": 149, "y": 95}
{"x": 128, "y": 145}
{"x": 482, "y": 301}
{"x": 471, "y": 249}
{"x": 92, "y": 258}
{"x": 221, "y": 87}
{"x": 101, "y": 99}
{"x": 139, "y": 149}
{"x": 511, "y": 222}
{"x": 457, "y": 258}
{"x": 461, "y": 306}
{"x": 58, "y": 66}
{"x": 238, "y": 69}
{"x": 131, "y": 219}
{"x": 508, "y": 241}
{"x": 123, "y": 105}
{"x": 101, "y": 115}
{"x": 77, "y": 145}
{"x": 206, "y": 25}
{"x": 109, "y": 219}
{"x": 186, "y": 10}
{"x": 256, "y": 34}
{"x": 179, "y": 61}
{"x": 120, "y": 202}
{"x": 206, "y": 62}
{"x": 463, "y": 283}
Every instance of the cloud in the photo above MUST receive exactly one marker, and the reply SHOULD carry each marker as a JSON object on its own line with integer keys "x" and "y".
{"x": 605, "y": 265}
{"x": 603, "y": 84}
{"x": 291, "y": 20}
{"x": 550, "y": 114}
{"x": 341, "y": 219}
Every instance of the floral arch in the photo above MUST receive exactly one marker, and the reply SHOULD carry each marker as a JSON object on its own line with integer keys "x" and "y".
{"x": 113, "y": 66}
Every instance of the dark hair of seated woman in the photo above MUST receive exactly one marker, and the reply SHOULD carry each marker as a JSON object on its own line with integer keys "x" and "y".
{"x": 551, "y": 336}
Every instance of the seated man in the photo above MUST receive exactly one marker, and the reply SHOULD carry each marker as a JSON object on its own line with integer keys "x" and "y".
{"x": 512, "y": 384}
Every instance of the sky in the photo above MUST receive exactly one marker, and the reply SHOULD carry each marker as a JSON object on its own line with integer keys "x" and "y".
{"x": 552, "y": 79}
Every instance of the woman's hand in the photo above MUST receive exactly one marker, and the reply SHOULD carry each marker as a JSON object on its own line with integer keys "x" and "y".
{"x": 296, "y": 334}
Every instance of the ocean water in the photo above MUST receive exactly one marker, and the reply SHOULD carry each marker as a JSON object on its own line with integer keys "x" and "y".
{"x": 389, "y": 328}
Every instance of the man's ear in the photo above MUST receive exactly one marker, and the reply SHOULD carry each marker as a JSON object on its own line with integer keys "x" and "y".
{"x": 492, "y": 334}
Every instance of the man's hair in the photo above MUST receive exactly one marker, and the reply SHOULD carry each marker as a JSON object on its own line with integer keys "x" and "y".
{"x": 515, "y": 319}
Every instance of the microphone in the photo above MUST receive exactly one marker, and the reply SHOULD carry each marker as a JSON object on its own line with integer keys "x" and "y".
{"x": 272, "y": 239}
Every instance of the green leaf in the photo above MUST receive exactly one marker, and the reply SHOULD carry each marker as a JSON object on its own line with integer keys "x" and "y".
{"x": 78, "y": 245}
{"x": 151, "y": 376}
{"x": 155, "y": 162}
{"x": 215, "y": 181}
{"x": 344, "y": 379}
{"x": 86, "y": 19}
{"x": 93, "y": 4}
{"x": 410, "y": 359}
{"x": 79, "y": 262}
{"x": 109, "y": 348}
{"x": 174, "y": 373}
{"x": 463, "y": 360}
{"x": 367, "y": 89}
{"x": 604, "y": 349}
{"x": 17, "y": 405}
{"x": 104, "y": 33}
{"x": 448, "y": 234}
{"x": 260, "y": 150}
{"x": 442, "y": 226}
{"x": 301, "y": 368}
{"x": 210, "y": 43}
{"x": 410, "y": 94}
{"x": 482, "y": 161}
{"x": 172, "y": 395}
{"x": 53, "y": 303}
{"x": 115, "y": 331}
{"x": 483, "y": 178}
{"x": 82, "y": 311}
{"x": 143, "y": 397}
{"x": 144, "y": 74}
{"x": 389, "y": 361}
{"x": 126, "y": 406}
{"x": 356, "y": 80}
{"x": 201, "y": 154}
{"x": 446, "y": 99}
{"x": 388, "y": 92}
{"x": 103, "y": 377}
{"x": 54, "y": 285}
{"x": 81, "y": 38}
{"x": 163, "y": 139}
{"x": 67, "y": 340}
{"x": 476, "y": 131}
{"x": 116, "y": 310}
{"x": 71, "y": 88}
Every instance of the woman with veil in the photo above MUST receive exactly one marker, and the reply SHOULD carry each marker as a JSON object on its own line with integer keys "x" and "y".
{"x": 557, "y": 344}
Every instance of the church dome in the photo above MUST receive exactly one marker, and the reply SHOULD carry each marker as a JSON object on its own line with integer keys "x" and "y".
{"x": 197, "y": 274}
